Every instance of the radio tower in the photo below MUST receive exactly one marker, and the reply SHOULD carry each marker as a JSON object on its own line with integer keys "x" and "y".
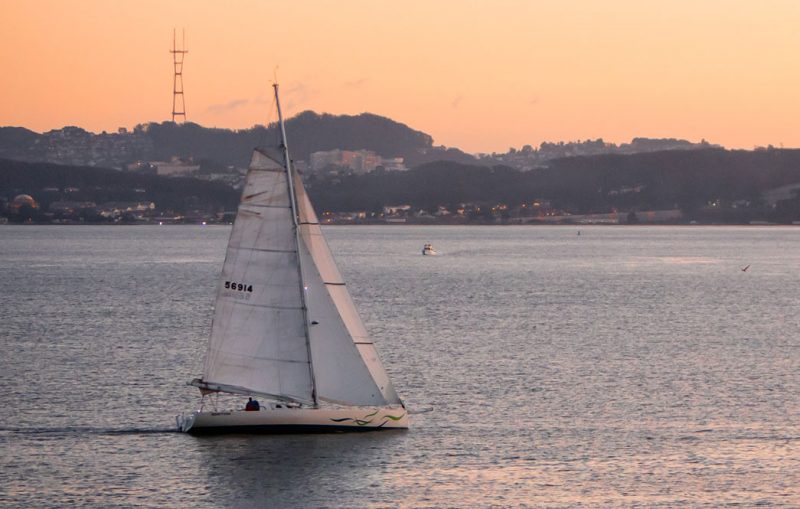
{"x": 178, "y": 110}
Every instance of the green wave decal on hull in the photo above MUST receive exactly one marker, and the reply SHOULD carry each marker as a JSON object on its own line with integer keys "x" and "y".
{"x": 366, "y": 419}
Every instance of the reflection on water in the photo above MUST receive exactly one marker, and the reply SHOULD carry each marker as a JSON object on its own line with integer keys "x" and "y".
{"x": 296, "y": 471}
{"x": 624, "y": 367}
{"x": 687, "y": 260}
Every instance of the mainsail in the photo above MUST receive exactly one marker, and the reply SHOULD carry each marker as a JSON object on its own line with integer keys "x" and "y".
{"x": 284, "y": 323}
{"x": 258, "y": 341}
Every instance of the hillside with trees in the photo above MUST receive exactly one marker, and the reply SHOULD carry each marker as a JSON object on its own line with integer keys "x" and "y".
{"x": 48, "y": 183}
{"x": 309, "y": 132}
{"x": 710, "y": 184}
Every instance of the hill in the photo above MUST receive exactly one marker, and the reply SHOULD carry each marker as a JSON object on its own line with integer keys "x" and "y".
{"x": 16, "y": 141}
{"x": 309, "y": 132}
{"x": 707, "y": 184}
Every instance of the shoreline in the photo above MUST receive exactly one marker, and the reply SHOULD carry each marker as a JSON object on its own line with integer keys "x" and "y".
{"x": 396, "y": 224}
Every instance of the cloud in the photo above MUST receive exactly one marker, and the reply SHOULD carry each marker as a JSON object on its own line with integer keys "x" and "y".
{"x": 356, "y": 84}
{"x": 295, "y": 89}
{"x": 295, "y": 95}
{"x": 218, "y": 109}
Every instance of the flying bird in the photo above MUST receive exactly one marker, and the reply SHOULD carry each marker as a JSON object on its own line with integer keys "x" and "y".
{"x": 745, "y": 269}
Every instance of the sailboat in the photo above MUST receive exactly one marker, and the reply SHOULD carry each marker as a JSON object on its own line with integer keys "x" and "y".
{"x": 285, "y": 329}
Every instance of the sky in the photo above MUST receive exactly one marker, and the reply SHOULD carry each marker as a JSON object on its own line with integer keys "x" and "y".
{"x": 482, "y": 76}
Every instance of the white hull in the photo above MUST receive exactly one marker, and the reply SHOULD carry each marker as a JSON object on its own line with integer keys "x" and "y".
{"x": 295, "y": 420}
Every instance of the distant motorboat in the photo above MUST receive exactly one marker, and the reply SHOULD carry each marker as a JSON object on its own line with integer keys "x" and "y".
{"x": 427, "y": 250}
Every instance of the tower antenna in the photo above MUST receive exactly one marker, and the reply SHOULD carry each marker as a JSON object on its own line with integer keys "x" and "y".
{"x": 178, "y": 103}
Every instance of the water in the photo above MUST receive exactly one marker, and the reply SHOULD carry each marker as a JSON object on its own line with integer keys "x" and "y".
{"x": 625, "y": 367}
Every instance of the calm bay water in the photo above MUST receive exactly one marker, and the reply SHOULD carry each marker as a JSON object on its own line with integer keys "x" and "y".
{"x": 625, "y": 367}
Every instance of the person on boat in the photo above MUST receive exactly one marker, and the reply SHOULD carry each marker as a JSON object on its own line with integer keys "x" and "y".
{"x": 252, "y": 405}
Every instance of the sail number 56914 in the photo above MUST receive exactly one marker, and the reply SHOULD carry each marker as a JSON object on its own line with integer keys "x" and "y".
{"x": 240, "y": 287}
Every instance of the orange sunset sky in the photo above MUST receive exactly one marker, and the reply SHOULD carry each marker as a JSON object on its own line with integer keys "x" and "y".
{"x": 482, "y": 76}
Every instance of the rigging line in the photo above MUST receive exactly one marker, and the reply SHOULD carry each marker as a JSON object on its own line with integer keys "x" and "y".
{"x": 266, "y": 306}
{"x": 263, "y": 139}
{"x": 269, "y": 359}
{"x": 264, "y": 206}
{"x": 264, "y": 250}
{"x": 267, "y": 170}
{"x": 253, "y": 195}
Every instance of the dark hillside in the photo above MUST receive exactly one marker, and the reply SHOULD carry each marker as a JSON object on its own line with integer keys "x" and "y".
{"x": 16, "y": 139}
{"x": 103, "y": 185}
{"x": 690, "y": 180}
{"x": 308, "y": 132}
{"x": 684, "y": 178}
{"x": 425, "y": 187}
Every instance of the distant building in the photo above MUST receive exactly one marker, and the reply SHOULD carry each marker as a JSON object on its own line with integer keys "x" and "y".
{"x": 69, "y": 207}
{"x": 119, "y": 208}
{"x": 73, "y": 145}
{"x": 392, "y": 210}
{"x": 175, "y": 167}
{"x": 141, "y": 167}
{"x": 359, "y": 161}
{"x": 393, "y": 164}
{"x": 22, "y": 200}
{"x": 773, "y": 196}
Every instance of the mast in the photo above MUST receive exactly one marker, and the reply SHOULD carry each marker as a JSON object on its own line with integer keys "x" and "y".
{"x": 293, "y": 200}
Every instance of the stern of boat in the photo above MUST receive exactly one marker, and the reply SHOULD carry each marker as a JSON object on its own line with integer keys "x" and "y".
{"x": 185, "y": 421}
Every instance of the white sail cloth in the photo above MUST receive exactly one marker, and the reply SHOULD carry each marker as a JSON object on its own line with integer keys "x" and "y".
{"x": 258, "y": 340}
{"x": 269, "y": 338}
{"x": 347, "y": 368}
